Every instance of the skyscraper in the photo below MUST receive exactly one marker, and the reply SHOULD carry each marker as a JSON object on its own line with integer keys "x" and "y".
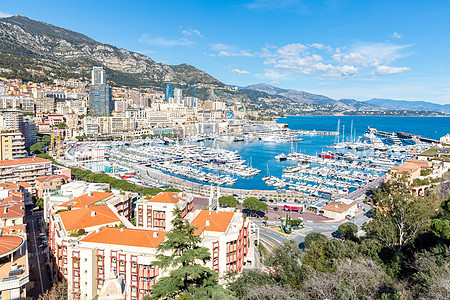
{"x": 168, "y": 91}
{"x": 100, "y": 96}
{"x": 100, "y": 100}
{"x": 98, "y": 76}
{"x": 177, "y": 96}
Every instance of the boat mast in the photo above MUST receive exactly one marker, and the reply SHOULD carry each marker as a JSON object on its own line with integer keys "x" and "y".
{"x": 351, "y": 132}
{"x": 338, "y": 130}
{"x": 343, "y": 133}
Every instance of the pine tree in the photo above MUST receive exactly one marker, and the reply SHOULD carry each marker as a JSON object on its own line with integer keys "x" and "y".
{"x": 189, "y": 278}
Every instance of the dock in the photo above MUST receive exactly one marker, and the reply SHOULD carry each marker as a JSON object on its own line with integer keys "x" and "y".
{"x": 403, "y": 136}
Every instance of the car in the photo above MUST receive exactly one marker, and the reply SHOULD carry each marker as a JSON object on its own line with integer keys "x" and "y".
{"x": 275, "y": 208}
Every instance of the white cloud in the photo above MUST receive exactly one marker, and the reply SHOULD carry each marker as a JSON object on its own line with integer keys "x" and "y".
{"x": 224, "y": 53}
{"x": 388, "y": 70}
{"x": 220, "y": 46}
{"x": 246, "y": 53}
{"x": 396, "y": 35}
{"x": 164, "y": 42}
{"x": 381, "y": 53}
{"x": 240, "y": 72}
{"x": 350, "y": 58}
{"x": 343, "y": 62}
{"x": 4, "y": 15}
{"x": 192, "y": 32}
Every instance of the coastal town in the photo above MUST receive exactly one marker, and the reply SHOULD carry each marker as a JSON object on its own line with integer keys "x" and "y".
{"x": 93, "y": 179}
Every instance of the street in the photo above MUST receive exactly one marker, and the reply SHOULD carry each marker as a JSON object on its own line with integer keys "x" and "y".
{"x": 37, "y": 257}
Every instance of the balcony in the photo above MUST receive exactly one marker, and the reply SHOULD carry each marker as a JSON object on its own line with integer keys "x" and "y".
{"x": 8, "y": 281}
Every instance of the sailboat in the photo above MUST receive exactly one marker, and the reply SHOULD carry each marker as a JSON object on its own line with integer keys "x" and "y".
{"x": 268, "y": 174}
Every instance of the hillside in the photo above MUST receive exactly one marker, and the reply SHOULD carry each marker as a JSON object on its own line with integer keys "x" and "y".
{"x": 32, "y": 43}
{"x": 312, "y": 99}
{"x": 410, "y": 105}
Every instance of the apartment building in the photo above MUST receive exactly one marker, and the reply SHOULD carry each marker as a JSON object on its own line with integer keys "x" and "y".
{"x": 24, "y": 170}
{"x": 157, "y": 212}
{"x": 226, "y": 235}
{"x": 13, "y": 250}
{"x": 114, "y": 125}
{"x": 14, "y": 271}
{"x": 46, "y": 184}
{"x": 12, "y": 146}
{"x": 110, "y": 251}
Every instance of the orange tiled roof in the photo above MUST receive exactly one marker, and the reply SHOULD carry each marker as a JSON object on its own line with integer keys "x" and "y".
{"x": 338, "y": 206}
{"x": 87, "y": 199}
{"x": 218, "y": 220}
{"x": 24, "y": 184}
{"x": 8, "y": 186}
{"x": 83, "y": 218}
{"x": 15, "y": 228}
{"x": 51, "y": 177}
{"x": 166, "y": 197}
{"x": 23, "y": 161}
{"x": 126, "y": 237}
{"x": 9, "y": 243}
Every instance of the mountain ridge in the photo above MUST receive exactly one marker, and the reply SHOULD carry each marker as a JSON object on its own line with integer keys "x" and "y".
{"x": 26, "y": 37}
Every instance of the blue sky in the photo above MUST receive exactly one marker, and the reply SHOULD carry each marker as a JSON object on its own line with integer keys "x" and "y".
{"x": 341, "y": 49}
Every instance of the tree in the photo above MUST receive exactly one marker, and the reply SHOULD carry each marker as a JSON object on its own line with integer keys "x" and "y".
{"x": 253, "y": 204}
{"x": 315, "y": 258}
{"x": 400, "y": 215}
{"x": 61, "y": 125}
{"x": 230, "y": 201}
{"x": 180, "y": 251}
{"x": 57, "y": 292}
{"x": 242, "y": 283}
{"x": 314, "y": 237}
{"x": 285, "y": 261}
{"x": 354, "y": 279}
{"x": 348, "y": 230}
{"x": 39, "y": 203}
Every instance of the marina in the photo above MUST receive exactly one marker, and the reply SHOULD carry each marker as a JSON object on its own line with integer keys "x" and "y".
{"x": 323, "y": 165}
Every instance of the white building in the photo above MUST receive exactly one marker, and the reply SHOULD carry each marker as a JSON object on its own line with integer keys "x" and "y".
{"x": 177, "y": 96}
{"x": 445, "y": 139}
{"x": 157, "y": 212}
{"x": 98, "y": 76}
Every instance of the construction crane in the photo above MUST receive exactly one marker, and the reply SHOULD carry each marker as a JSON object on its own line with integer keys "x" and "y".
{"x": 55, "y": 144}
{"x": 230, "y": 113}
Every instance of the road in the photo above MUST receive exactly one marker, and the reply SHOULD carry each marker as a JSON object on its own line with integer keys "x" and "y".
{"x": 312, "y": 223}
{"x": 37, "y": 256}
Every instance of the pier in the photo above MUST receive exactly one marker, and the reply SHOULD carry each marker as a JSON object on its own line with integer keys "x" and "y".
{"x": 402, "y": 136}
{"x": 314, "y": 132}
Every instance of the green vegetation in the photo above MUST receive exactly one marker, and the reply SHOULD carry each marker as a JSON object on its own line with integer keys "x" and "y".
{"x": 61, "y": 125}
{"x": 122, "y": 184}
{"x": 348, "y": 230}
{"x": 425, "y": 172}
{"x": 405, "y": 255}
{"x": 39, "y": 203}
{"x": 189, "y": 279}
{"x": 229, "y": 201}
{"x": 254, "y": 205}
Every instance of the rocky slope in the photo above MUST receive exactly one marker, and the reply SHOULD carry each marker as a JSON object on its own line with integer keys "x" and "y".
{"x": 21, "y": 36}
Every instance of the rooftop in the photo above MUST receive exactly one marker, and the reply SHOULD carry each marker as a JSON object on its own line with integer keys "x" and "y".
{"x": 51, "y": 177}
{"x": 88, "y": 217}
{"x": 9, "y": 243}
{"x": 86, "y": 199}
{"x": 126, "y": 237}
{"x": 166, "y": 197}
{"x": 23, "y": 161}
{"x": 213, "y": 220}
{"x": 339, "y": 206}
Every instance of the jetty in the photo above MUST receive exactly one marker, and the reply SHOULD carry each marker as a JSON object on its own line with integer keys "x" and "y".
{"x": 402, "y": 135}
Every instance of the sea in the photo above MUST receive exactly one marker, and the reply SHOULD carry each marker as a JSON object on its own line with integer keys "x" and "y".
{"x": 262, "y": 155}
